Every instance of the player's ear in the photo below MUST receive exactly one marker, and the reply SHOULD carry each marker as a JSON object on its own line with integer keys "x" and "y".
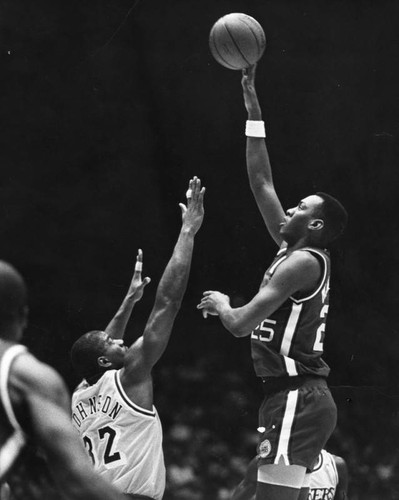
{"x": 103, "y": 362}
{"x": 316, "y": 224}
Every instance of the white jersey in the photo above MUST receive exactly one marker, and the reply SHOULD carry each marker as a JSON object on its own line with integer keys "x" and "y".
{"x": 123, "y": 440}
{"x": 12, "y": 437}
{"x": 324, "y": 478}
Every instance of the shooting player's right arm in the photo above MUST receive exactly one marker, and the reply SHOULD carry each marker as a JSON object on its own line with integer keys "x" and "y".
{"x": 258, "y": 163}
{"x": 48, "y": 403}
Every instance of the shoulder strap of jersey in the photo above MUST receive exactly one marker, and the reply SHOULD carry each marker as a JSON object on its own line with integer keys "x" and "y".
{"x": 280, "y": 256}
{"x": 13, "y": 445}
{"x": 319, "y": 462}
{"x": 334, "y": 466}
{"x": 5, "y": 366}
{"x": 323, "y": 257}
{"x": 128, "y": 401}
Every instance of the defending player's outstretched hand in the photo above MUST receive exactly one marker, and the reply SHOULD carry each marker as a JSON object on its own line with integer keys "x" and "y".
{"x": 193, "y": 213}
{"x": 138, "y": 284}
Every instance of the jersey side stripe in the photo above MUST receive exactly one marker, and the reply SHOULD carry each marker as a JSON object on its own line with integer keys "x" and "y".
{"x": 130, "y": 403}
{"x": 285, "y": 435}
{"x": 290, "y": 366}
{"x": 290, "y": 329}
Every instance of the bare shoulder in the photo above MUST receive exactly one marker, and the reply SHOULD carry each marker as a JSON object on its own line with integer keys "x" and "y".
{"x": 135, "y": 376}
{"x": 305, "y": 258}
{"x": 303, "y": 264}
{"x": 301, "y": 270}
{"x": 135, "y": 369}
{"x": 343, "y": 476}
{"x": 133, "y": 357}
{"x": 31, "y": 376}
{"x": 341, "y": 464}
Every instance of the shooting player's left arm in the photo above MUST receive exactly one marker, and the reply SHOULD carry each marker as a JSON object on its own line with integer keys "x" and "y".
{"x": 299, "y": 272}
{"x": 341, "y": 492}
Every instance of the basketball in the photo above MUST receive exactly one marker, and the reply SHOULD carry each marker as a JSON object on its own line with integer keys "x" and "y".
{"x": 237, "y": 41}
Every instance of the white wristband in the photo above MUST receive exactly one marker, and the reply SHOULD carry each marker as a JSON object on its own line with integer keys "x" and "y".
{"x": 138, "y": 267}
{"x": 255, "y": 128}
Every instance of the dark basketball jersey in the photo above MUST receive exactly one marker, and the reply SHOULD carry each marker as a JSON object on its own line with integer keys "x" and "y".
{"x": 12, "y": 437}
{"x": 290, "y": 341}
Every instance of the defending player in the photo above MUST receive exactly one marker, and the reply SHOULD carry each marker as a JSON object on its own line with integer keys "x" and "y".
{"x": 113, "y": 410}
{"x": 286, "y": 321}
{"x": 40, "y": 454}
{"x": 327, "y": 481}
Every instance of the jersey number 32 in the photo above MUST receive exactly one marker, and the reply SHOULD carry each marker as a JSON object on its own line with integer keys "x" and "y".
{"x": 107, "y": 435}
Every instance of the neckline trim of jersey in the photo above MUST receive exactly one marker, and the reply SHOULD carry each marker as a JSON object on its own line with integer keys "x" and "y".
{"x": 128, "y": 401}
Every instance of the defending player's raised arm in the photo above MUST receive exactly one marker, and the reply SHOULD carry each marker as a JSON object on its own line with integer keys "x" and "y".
{"x": 299, "y": 272}
{"x": 146, "y": 351}
{"x": 258, "y": 162}
{"x": 43, "y": 393}
{"x": 117, "y": 326}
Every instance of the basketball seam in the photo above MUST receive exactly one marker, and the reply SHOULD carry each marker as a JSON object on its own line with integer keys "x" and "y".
{"x": 228, "y": 65}
{"x": 236, "y": 46}
{"x": 255, "y": 34}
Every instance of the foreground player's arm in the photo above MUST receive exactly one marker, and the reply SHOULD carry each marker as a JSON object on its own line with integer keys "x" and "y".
{"x": 246, "y": 490}
{"x": 341, "y": 492}
{"x": 258, "y": 163}
{"x": 47, "y": 400}
{"x": 146, "y": 351}
{"x": 299, "y": 272}
{"x": 117, "y": 326}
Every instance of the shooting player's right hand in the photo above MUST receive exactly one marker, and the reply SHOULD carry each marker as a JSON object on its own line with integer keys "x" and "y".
{"x": 248, "y": 86}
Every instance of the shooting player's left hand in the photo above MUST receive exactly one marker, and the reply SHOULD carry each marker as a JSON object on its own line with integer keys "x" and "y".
{"x": 211, "y": 301}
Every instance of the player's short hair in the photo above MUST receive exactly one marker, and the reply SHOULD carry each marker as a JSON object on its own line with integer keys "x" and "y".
{"x": 335, "y": 218}
{"x": 85, "y": 353}
{"x": 13, "y": 294}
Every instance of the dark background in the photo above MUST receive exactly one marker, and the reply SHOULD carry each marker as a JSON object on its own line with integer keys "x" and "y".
{"x": 109, "y": 107}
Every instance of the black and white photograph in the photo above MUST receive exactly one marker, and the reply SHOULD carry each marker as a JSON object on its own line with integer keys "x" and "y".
{"x": 198, "y": 221}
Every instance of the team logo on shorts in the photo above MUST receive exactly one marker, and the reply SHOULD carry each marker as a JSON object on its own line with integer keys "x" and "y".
{"x": 265, "y": 448}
